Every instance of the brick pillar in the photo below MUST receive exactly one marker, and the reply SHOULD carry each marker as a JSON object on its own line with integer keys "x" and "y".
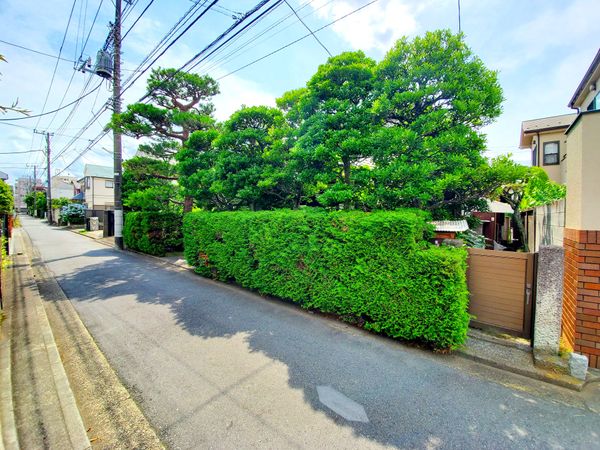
{"x": 581, "y": 298}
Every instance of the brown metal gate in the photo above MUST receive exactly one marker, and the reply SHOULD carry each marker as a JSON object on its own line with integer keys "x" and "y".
{"x": 501, "y": 286}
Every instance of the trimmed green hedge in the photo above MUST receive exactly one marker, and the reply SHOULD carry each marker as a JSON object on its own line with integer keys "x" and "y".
{"x": 372, "y": 268}
{"x": 155, "y": 233}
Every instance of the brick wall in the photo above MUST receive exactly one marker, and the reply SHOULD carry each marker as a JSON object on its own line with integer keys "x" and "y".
{"x": 581, "y": 298}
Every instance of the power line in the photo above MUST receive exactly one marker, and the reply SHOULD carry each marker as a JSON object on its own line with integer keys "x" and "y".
{"x": 55, "y": 110}
{"x": 296, "y": 41}
{"x": 306, "y": 26}
{"x": 91, "y": 28}
{"x": 137, "y": 20}
{"x": 19, "y": 153}
{"x": 214, "y": 2}
{"x": 37, "y": 51}
{"x": 56, "y": 65}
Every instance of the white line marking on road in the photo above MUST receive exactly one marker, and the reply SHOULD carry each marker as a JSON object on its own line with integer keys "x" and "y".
{"x": 342, "y": 405}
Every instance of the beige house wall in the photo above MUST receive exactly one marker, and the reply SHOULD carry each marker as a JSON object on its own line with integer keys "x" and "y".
{"x": 98, "y": 196}
{"x": 556, "y": 172}
{"x": 549, "y": 224}
{"x": 583, "y": 173}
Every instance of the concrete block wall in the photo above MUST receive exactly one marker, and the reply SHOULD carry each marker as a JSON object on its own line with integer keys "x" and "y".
{"x": 581, "y": 293}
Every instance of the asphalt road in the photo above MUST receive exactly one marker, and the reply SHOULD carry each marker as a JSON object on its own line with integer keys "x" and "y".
{"x": 214, "y": 366}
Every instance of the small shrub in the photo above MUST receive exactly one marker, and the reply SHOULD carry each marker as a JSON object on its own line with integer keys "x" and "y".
{"x": 371, "y": 268}
{"x": 154, "y": 233}
{"x": 73, "y": 213}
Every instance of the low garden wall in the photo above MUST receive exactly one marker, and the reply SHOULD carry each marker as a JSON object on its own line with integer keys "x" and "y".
{"x": 154, "y": 233}
{"x": 374, "y": 269}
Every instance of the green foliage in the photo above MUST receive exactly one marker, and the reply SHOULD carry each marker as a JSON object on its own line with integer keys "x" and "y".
{"x": 334, "y": 114}
{"x": 374, "y": 268}
{"x": 58, "y": 203}
{"x": 524, "y": 187}
{"x": 149, "y": 185}
{"x": 72, "y": 213}
{"x": 36, "y": 203}
{"x": 472, "y": 239}
{"x": 154, "y": 233}
{"x": 540, "y": 190}
{"x": 432, "y": 97}
{"x": 6, "y": 198}
{"x": 179, "y": 105}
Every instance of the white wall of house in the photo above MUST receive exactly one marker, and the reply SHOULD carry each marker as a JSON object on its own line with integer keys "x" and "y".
{"x": 550, "y": 224}
{"x": 99, "y": 192}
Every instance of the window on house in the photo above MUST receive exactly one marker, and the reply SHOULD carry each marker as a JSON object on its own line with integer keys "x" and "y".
{"x": 87, "y": 182}
{"x": 534, "y": 155}
{"x": 109, "y": 184}
{"x": 594, "y": 104}
{"x": 551, "y": 153}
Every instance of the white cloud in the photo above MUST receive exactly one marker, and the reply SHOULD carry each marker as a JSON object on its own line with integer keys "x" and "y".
{"x": 235, "y": 92}
{"x": 377, "y": 26}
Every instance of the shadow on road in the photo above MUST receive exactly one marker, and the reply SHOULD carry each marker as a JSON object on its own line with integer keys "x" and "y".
{"x": 398, "y": 386}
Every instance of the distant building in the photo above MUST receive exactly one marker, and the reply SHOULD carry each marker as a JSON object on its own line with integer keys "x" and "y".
{"x": 3, "y": 176}
{"x": 97, "y": 186}
{"x": 63, "y": 186}
{"x": 24, "y": 186}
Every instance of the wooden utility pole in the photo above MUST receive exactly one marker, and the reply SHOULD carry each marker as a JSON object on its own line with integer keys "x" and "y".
{"x": 49, "y": 191}
{"x": 34, "y": 191}
{"x": 116, "y": 134}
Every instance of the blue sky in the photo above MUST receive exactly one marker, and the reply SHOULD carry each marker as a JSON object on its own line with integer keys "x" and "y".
{"x": 541, "y": 50}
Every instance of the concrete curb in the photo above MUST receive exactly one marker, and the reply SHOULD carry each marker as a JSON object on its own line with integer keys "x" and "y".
{"x": 114, "y": 418}
{"x": 72, "y": 418}
{"x": 555, "y": 379}
{"x": 8, "y": 428}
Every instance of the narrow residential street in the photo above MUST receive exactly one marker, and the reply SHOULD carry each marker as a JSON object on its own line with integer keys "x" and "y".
{"x": 215, "y": 366}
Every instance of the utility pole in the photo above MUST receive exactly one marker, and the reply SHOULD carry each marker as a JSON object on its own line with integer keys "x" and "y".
{"x": 35, "y": 191}
{"x": 49, "y": 191}
{"x": 116, "y": 134}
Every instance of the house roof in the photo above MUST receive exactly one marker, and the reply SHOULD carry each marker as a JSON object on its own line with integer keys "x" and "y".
{"x": 593, "y": 73}
{"x": 531, "y": 127}
{"x": 499, "y": 207}
{"x": 450, "y": 225}
{"x": 80, "y": 196}
{"x": 92, "y": 170}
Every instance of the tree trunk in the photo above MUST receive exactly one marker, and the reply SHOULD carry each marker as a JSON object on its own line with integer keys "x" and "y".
{"x": 346, "y": 162}
{"x": 520, "y": 229}
{"x": 188, "y": 204}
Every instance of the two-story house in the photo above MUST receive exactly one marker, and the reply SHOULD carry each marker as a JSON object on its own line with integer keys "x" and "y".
{"x": 568, "y": 148}
{"x": 548, "y": 143}
{"x": 97, "y": 186}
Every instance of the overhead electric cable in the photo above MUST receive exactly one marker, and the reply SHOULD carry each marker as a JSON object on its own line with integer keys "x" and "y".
{"x": 210, "y": 65}
{"x": 137, "y": 20}
{"x": 37, "y": 51}
{"x": 54, "y": 110}
{"x": 56, "y": 65}
{"x": 289, "y": 44}
{"x": 91, "y": 28}
{"x": 307, "y": 27}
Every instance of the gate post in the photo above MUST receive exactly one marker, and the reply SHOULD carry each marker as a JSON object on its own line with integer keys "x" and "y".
{"x": 548, "y": 304}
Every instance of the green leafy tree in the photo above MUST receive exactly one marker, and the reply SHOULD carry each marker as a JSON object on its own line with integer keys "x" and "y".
{"x": 195, "y": 166}
{"x": 179, "y": 104}
{"x": 58, "y": 203}
{"x": 149, "y": 185}
{"x": 36, "y": 203}
{"x": 329, "y": 119}
{"x": 246, "y": 169}
{"x": 522, "y": 188}
{"x": 6, "y": 198}
{"x": 432, "y": 97}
